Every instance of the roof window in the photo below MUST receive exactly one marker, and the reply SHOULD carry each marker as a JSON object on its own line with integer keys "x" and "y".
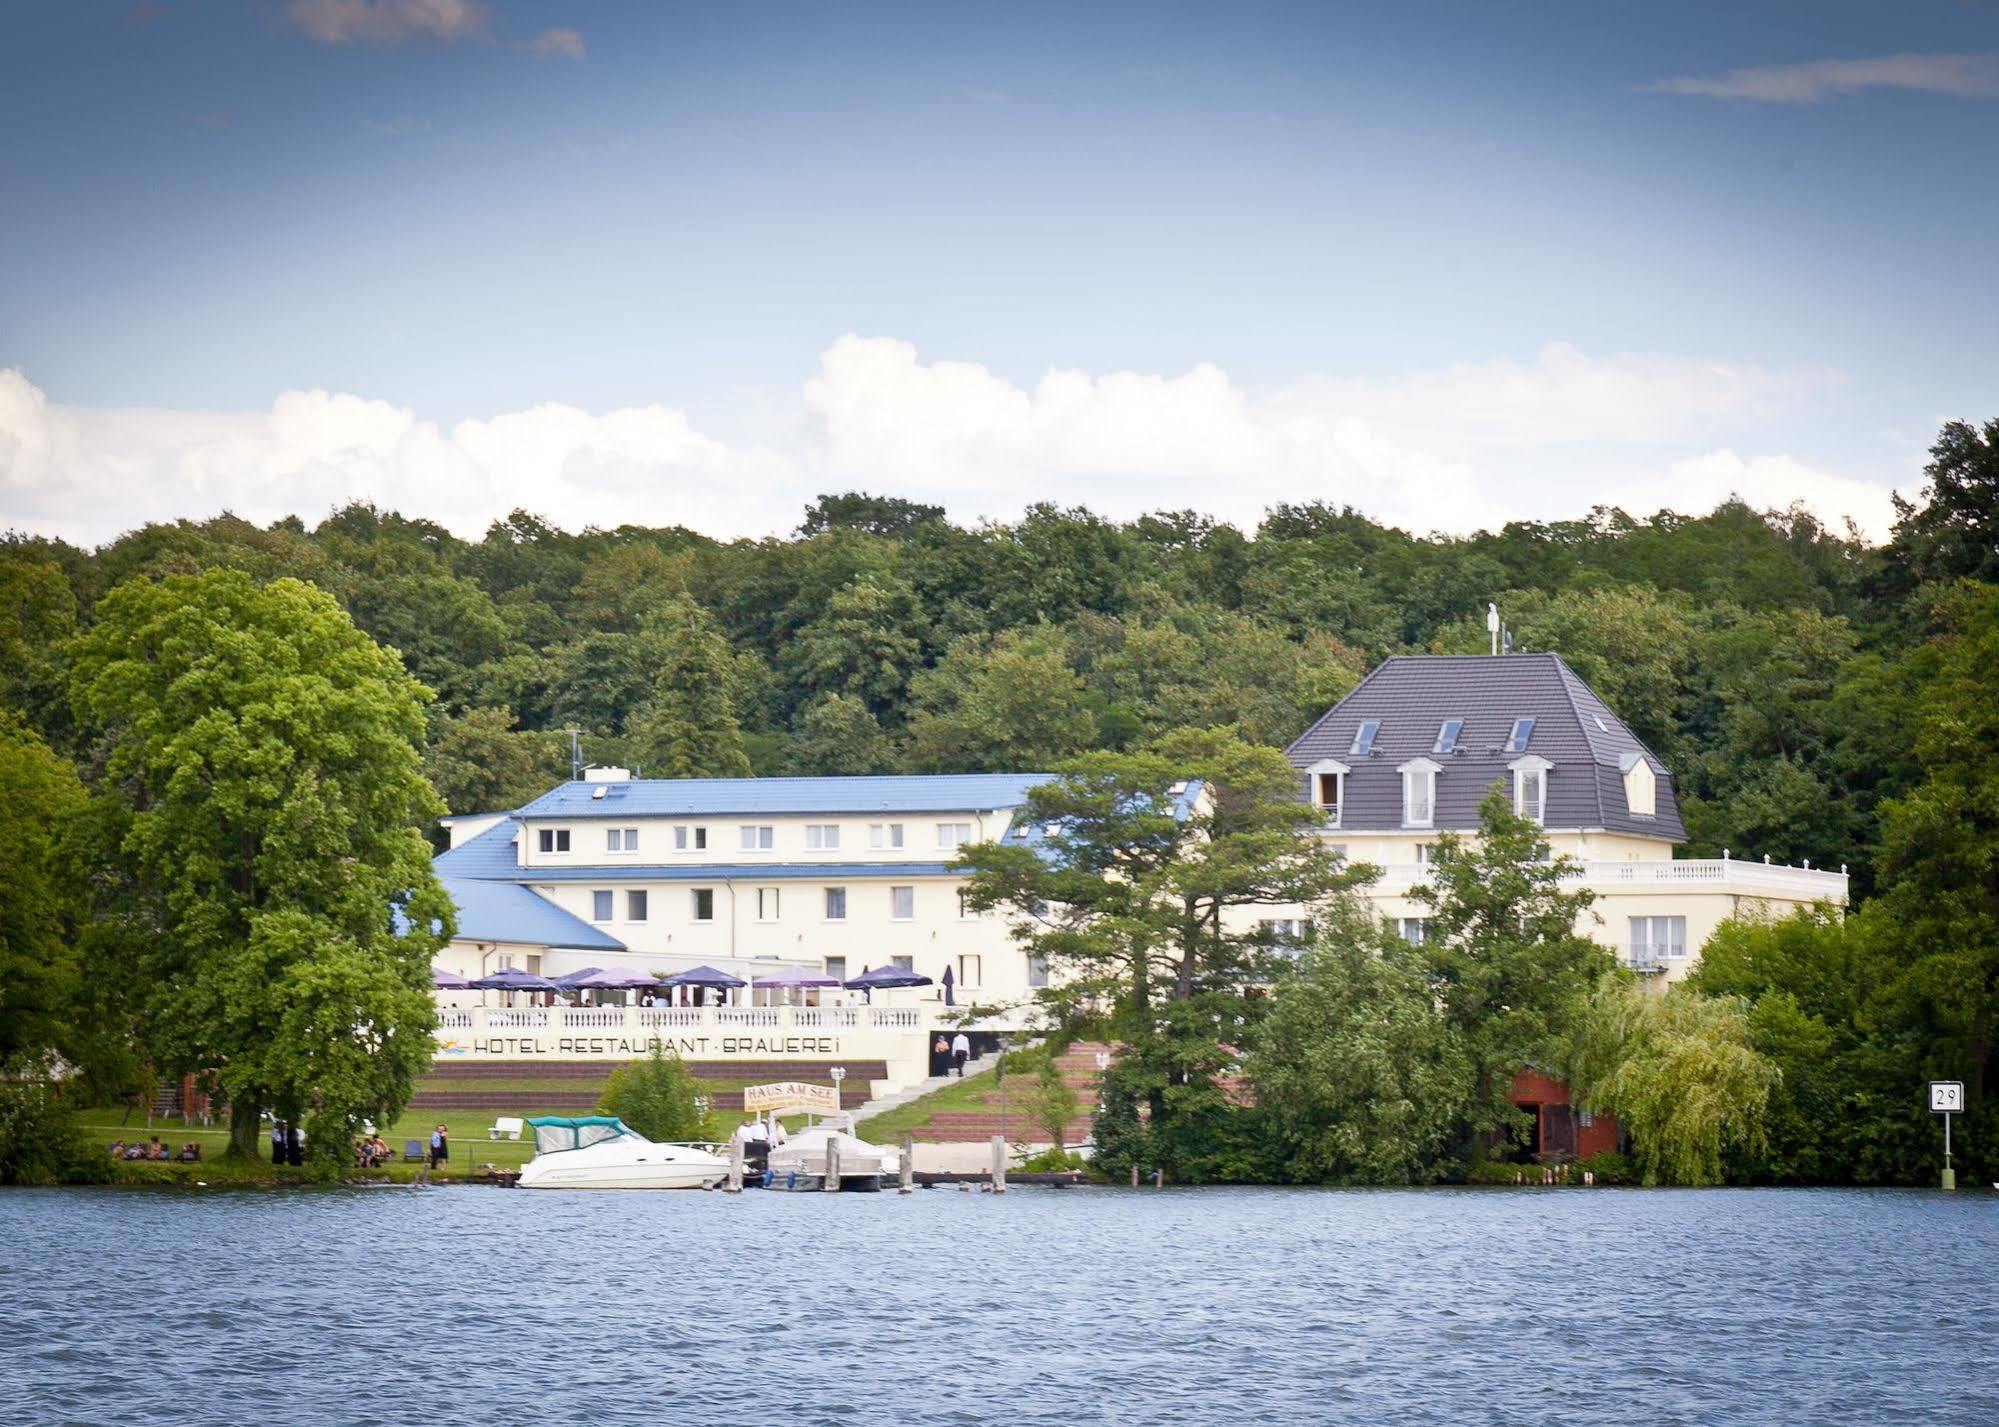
{"x": 1447, "y": 736}
{"x": 1363, "y": 738}
{"x": 1523, "y": 729}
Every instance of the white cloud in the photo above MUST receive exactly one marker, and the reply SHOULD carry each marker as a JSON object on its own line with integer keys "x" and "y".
{"x": 1453, "y": 449}
{"x": 556, "y": 44}
{"x": 1962, "y": 76}
{"x": 389, "y": 22}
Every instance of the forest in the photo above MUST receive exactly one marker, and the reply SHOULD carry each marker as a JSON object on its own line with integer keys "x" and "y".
{"x": 1819, "y": 698}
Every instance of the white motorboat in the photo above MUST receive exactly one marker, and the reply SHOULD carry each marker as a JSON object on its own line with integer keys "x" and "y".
{"x": 602, "y": 1152}
{"x": 801, "y": 1162}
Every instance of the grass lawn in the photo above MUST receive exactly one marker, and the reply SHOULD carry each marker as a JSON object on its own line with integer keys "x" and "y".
{"x": 967, "y": 1094}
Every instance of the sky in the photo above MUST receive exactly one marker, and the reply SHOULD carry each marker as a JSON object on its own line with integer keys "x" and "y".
{"x": 1453, "y": 264}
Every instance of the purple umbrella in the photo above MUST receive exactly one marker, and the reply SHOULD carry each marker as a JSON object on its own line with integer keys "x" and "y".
{"x": 705, "y": 976}
{"x": 886, "y": 978}
{"x": 594, "y": 979}
{"x": 949, "y": 998}
{"x": 513, "y": 979}
{"x": 447, "y": 980}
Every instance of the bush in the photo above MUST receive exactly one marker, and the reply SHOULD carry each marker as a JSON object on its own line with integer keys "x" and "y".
{"x": 1610, "y": 1167}
{"x": 655, "y": 1096}
{"x": 1052, "y": 1161}
{"x": 41, "y": 1141}
{"x": 1487, "y": 1171}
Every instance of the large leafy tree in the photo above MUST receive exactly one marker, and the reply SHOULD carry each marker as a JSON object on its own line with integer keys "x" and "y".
{"x": 43, "y": 896}
{"x": 1502, "y": 952}
{"x": 1954, "y": 533}
{"x": 260, "y": 796}
{"x": 999, "y": 704}
{"x": 479, "y": 762}
{"x": 690, "y": 728}
{"x": 1137, "y": 885}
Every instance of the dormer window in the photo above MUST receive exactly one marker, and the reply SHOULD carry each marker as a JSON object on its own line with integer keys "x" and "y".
{"x": 1363, "y": 738}
{"x": 1530, "y": 788}
{"x": 1326, "y": 786}
{"x": 1419, "y": 792}
{"x": 1447, "y": 736}
{"x": 1641, "y": 787}
{"x": 1523, "y": 729}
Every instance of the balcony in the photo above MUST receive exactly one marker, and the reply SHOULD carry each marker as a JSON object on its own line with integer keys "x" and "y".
{"x": 1726, "y": 875}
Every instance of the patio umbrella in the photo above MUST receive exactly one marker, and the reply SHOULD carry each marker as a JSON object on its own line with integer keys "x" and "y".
{"x": 705, "y": 976}
{"x": 514, "y": 979}
{"x": 447, "y": 980}
{"x": 794, "y": 978}
{"x": 950, "y": 999}
{"x": 636, "y": 981}
{"x": 596, "y": 980}
{"x": 571, "y": 978}
{"x": 887, "y": 978}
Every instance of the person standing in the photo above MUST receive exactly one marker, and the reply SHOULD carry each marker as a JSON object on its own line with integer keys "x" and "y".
{"x": 440, "y": 1147}
{"x": 961, "y": 1051}
{"x": 277, "y": 1142}
{"x": 296, "y": 1141}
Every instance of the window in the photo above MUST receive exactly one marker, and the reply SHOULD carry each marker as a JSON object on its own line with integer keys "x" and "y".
{"x": 902, "y": 904}
{"x": 1447, "y": 736}
{"x": 1641, "y": 789}
{"x": 600, "y": 906}
{"x": 1283, "y": 931}
{"x": 635, "y": 906}
{"x": 1530, "y": 793}
{"x": 1419, "y": 793}
{"x": 968, "y": 971}
{"x": 685, "y": 837}
{"x": 951, "y": 835}
{"x": 1326, "y": 785}
{"x": 554, "y": 839}
{"x": 1363, "y": 738}
{"x": 836, "y": 967}
{"x": 767, "y": 904}
{"x": 903, "y": 963}
{"x": 1658, "y": 938}
{"x": 621, "y": 839}
{"x": 1414, "y": 930}
{"x": 1523, "y": 729}
{"x": 1037, "y": 971}
{"x": 758, "y": 839}
{"x": 704, "y": 904}
{"x": 965, "y": 912}
{"x": 1329, "y": 796}
{"x": 821, "y": 836}
{"x": 884, "y": 834}
{"x": 836, "y": 904}
{"x": 1423, "y": 854}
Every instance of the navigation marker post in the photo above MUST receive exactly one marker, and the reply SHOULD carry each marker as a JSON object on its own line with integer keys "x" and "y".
{"x": 1947, "y": 1099}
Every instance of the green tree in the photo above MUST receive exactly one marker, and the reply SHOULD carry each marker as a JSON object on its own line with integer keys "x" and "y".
{"x": 690, "y": 727}
{"x": 44, "y": 898}
{"x": 478, "y": 762}
{"x": 839, "y": 736}
{"x": 1357, "y": 1075}
{"x": 657, "y": 1097}
{"x": 260, "y": 794}
{"x": 1680, "y": 1073}
{"x": 1050, "y": 1104}
{"x": 1502, "y": 954}
{"x": 1002, "y": 703}
{"x": 865, "y": 642}
{"x": 1954, "y": 533}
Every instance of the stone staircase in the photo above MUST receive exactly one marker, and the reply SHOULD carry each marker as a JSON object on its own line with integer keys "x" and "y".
{"x": 1079, "y": 1071}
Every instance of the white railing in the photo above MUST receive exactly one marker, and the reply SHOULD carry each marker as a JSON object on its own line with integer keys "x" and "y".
{"x": 1808, "y": 884}
{"x": 895, "y": 1017}
{"x": 517, "y": 1019}
{"x": 594, "y": 1017}
{"x": 670, "y": 1017}
{"x": 686, "y": 1018}
{"x": 454, "y": 1016}
{"x": 764, "y": 1017}
{"x": 825, "y": 1018}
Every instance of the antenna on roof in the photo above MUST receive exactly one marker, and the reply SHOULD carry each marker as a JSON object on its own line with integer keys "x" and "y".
{"x": 1493, "y": 626}
{"x": 575, "y": 753}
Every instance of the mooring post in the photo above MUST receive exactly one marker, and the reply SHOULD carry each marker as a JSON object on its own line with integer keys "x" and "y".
{"x": 1158, "y": 1179}
{"x": 832, "y": 1184}
{"x": 1134, "y": 1176}
{"x": 999, "y": 1164}
{"x": 735, "y": 1185}
{"x": 907, "y": 1177}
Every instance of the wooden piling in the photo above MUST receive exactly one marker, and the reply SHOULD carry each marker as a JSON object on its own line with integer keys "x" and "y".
{"x": 735, "y": 1184}
{"x": 907, "y": 1178}
{"x": 1158, "y": 1179}
{"x": 832, "y": 1184}
{"x": 999, "y": 1165}
{"x": 1134, "y": 1176}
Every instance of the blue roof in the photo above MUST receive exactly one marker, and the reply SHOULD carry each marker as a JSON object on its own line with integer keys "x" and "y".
{"x": 715, "y": 797}
{"x": 504, "y": 911}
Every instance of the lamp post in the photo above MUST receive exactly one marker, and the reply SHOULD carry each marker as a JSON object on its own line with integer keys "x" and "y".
{"x": 839, "y": 1073}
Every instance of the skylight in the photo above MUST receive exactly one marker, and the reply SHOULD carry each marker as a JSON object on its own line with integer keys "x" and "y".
{"x": 1447, "y": 736}
{"x": 1600, "y": 723}
{"x": 1363, "y": 738}
{"x": 1523, "y": 729}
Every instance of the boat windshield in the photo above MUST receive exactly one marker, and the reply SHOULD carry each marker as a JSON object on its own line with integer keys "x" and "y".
{"x": 552, "y": 1135}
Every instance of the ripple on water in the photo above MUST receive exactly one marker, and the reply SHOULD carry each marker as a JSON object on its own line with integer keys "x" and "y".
{"x": 1037, "y": 1308}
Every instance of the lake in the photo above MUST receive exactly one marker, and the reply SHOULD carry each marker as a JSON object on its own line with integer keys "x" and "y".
{"x": 474, "y": 1305}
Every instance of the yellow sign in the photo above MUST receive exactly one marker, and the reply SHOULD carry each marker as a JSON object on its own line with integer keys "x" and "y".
{"x": 790, "y": 1095}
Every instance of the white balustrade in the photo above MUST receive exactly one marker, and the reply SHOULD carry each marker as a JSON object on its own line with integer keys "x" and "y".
{"x": 825, "y": 1018}
{"x": 671, "y": 1017}
{"x": 765, "y": 1017}
{"x": 602, "y": 1018}
{"x": 505, "y": 1018}
{"x": 455, "y": 1017}
{"x": 899, "y": 1017}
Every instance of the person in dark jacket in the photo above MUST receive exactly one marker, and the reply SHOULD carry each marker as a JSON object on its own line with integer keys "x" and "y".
{"x": 440, "y": 1147}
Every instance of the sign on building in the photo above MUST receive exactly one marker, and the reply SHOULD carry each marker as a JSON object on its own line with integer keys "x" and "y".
{"x": 791, "y": 1095}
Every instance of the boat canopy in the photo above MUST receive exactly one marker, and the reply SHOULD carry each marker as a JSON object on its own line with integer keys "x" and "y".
{"x": 574, "y": 1132}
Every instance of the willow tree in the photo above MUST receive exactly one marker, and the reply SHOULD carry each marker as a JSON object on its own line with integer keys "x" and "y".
{"x": 1679, "y": 1072}
{"x": 259, "y": 798}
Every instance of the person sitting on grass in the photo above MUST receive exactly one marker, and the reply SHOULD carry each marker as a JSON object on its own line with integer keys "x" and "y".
{"x": 189, "y": 1152}
{"x": 117, "y": 1149}
{"x": 157, "y": 1149}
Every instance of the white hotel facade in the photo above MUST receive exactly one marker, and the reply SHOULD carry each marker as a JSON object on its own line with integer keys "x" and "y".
{"x": 840, "y": 875}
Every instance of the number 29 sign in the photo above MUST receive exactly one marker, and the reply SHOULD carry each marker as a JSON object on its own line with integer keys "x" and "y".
{"x": 1946, "y": 1097}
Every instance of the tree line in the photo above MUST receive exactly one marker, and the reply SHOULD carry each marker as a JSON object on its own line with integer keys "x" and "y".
{"x": 221, "y": 743}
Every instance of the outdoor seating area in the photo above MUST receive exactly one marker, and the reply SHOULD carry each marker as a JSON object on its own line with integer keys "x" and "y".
{"x": 155, "y": 1149}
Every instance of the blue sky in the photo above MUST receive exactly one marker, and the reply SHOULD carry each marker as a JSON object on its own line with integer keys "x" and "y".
{"x": 1465, "y": 261}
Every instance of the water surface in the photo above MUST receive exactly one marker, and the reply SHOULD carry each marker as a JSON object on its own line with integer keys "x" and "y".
{"x": 1041, "y": 1307}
